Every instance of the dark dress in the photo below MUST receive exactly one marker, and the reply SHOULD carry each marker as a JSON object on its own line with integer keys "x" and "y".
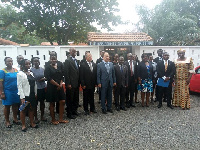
{"x": 31, "y": 98}
{"x": 54, "y": 95}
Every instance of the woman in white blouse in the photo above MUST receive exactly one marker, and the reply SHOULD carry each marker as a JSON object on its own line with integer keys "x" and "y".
{"x": 26, "y": 91}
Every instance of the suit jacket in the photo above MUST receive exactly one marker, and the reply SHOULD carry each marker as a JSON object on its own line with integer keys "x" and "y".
{"x": 142, "y": 71}
{"x": 71, "y": 73}
{"x": 170, "y": 69}
{"x": 103, "y": 77}
{"x": 121, "y": 76}
{"x": 129, "y": 70}
{"x": 99, "y": 60}
{"x": 157, "y": 59}
{"x": 88, "y": 78}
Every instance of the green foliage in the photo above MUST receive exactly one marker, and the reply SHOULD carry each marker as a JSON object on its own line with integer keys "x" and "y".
{"x": 172, "y": 22}
{"x": 61, "y": 20}
{"x": 11, "y": 29}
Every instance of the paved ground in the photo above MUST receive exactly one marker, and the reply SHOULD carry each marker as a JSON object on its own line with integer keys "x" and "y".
{"x": 137, "y": 128}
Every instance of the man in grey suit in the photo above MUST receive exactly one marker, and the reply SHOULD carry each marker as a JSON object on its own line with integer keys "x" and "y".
{"x": 71, "y": 73}
{"x": 106, "y": 80}
{"x": 121, "y": 73}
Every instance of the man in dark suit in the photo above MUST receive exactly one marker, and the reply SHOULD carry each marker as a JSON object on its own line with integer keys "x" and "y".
{"x": 156, "y": 60}
{"x": 101, "y": 57}
{"x": 160, "y": 56}
{"x": 132, "y": 80}
{"x": 71, "y": 73}
{"x": 106, "y": 80}
{"x": 97, "y": 62}
{"x": 166, "y": 72}
{"x": 88, "y": 78}
{"x": 121, "y": 73}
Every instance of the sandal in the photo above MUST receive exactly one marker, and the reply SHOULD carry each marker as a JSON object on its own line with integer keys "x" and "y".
{"x": 64, "y": 121}
{"x": 36, "y": 126}
{"x": 55, "y": 122}
{"x": 9, "y": 126}
{"x": 24, "y": 130}
{"x": 16, "y": 122}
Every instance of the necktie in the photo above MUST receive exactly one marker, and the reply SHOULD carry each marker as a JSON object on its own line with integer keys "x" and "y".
{"x": 165, "y": 66}
{"x": 131, "y": 68}
{"x": 121, "y": 68}
{"x": 76, "y": 63}
{"x": 107, "y": 67}
{"x": 90, "y": 64}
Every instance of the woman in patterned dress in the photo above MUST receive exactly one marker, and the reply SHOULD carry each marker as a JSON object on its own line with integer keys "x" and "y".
{"x": 145, "y": 78}
{"x": 184, "y": 70}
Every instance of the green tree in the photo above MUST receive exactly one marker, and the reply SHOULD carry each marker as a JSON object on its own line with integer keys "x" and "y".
{"x": 61, "y": 20}
{"x": 172, "y": 22}
{"x": 11, "y": 29}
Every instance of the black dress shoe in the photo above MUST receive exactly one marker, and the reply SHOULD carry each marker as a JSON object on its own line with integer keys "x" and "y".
{"x": 93, "y": 111}
{"x": 117, "y": 108}
{"x": 123, "y": 108}
{"x": 132, "y": 105}
{"x": 159, "y": 105}
{"x": 170, "y": 106}
{"x": 71, "y": 117}
{"x": 127, "y": 105}
{"x": 87, "y": 113}
{"x": 75, "y": 113}
{"x": 104, "y": 111}
{"x": 110, "y": 110}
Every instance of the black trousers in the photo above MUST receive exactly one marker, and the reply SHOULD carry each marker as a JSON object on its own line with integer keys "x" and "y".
{"x": 88, "y": 98}
{"x": 120, "y": 96}
{"x": 72, "y": 100}
{"x": 167, "y": 91}
{"x": 130, "y": 91}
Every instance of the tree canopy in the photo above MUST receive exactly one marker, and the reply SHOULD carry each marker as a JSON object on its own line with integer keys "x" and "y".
{"x": 11, "y": 28}
{"x": 61, "y": 20}
{"x": 172, "y": 22}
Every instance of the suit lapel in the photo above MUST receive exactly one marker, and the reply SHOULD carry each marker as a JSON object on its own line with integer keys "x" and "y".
{"x": 73, "y": 62}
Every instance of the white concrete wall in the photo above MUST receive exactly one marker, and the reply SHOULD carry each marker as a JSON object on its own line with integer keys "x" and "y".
{"x": 28, "y": 52}
{"x": 191, "y": 51}
{"x": 43, "y": 52}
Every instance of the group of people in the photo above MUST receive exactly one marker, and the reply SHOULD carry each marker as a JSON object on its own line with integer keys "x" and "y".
{"x": 26, "y": 85}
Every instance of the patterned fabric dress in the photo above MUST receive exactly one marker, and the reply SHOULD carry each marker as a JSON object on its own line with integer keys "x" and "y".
{"x": 147, "y": 84}
{"x": 181, "y": 92}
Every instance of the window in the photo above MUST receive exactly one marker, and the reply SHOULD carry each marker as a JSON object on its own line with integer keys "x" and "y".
{"x": 67, "y": 53}
{"x": 78, "y": 53}
{"x": 198, "y": 71}
{"x": 37, "y": 52}
{"x": 24, "y": 52}
{"x": 44, "y": 57}
{"x": 4, "y": 53}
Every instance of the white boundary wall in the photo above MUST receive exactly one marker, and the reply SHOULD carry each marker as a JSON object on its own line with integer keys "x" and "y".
{"x": 43, "y": 51}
